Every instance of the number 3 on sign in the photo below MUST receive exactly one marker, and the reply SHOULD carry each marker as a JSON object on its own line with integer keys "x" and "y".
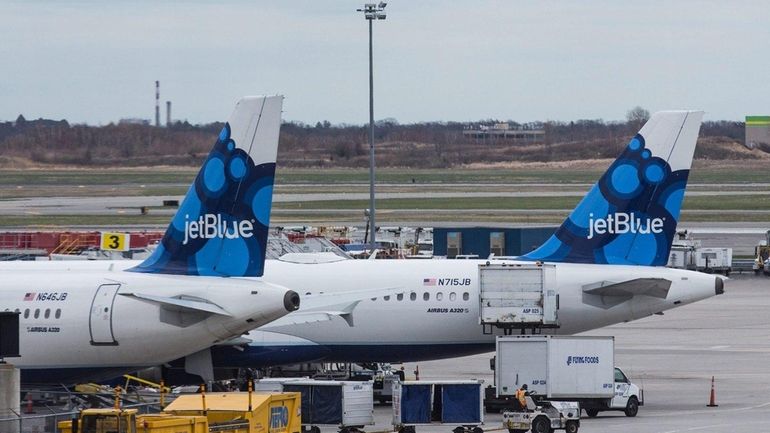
{"x": 115, "y": 241}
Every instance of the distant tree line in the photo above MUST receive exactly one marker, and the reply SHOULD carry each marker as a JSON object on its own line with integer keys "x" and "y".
{"x": 427, "y": 144}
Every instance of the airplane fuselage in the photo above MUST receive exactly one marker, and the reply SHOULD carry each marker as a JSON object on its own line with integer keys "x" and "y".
{"x": 87, "y": 317}
{"x": 437, "y": 315}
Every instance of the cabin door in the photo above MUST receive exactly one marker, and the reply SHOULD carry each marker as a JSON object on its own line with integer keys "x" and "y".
{"x": 100, "y": 323}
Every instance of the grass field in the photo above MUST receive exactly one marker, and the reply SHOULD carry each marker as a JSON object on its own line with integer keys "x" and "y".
{"x": 175, "y": 181}
{"x": 387, "y": 217}
{"x": 720, "y": 203}
{"x": 732, "y": 174}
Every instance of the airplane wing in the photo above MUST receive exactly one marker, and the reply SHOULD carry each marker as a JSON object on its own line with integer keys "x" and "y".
{"x": 607, "y": 294}
{"x": 182, "y": 303}
{"x": 322, "y": 307}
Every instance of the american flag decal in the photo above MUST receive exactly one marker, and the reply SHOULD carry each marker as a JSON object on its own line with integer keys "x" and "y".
{"x": 428, "y": 281}
{"x": 29, "y": 296}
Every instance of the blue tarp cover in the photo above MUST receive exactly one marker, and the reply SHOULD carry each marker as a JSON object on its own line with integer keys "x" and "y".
{"x": 415, "y": 404}
{"x": 460, "y": 404}
{"x": 320, "y": 404}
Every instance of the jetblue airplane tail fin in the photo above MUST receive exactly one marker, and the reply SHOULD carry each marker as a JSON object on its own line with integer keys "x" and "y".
{"x": 221, "y": 226}
{"x": 630, "y": 215}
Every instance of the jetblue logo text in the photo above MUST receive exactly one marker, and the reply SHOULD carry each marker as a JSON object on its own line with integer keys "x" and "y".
{"x": 619, "y": 223}
{"x": 279, "y": 418}
{"x": 582, "y": 360}
{"x": 212, "y": 226}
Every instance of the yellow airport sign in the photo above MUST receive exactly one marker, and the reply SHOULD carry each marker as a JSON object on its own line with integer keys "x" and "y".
{"x": 115, "y": 241}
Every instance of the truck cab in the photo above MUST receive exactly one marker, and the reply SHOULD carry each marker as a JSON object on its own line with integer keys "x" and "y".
{"x": 628, "y": 397}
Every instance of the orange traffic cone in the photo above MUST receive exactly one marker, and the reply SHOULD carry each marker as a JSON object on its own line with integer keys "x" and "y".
{"x": 712, "y": 400}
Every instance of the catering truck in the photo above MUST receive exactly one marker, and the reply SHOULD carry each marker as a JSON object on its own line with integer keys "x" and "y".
{"x": 566, "y": 368}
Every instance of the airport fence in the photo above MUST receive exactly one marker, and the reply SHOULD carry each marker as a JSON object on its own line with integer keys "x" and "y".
{"x": 48, "y": 422}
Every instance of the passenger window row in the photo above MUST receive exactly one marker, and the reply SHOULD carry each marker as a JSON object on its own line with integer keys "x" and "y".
{"x": 413, "y": 296}
{"x": 36, "y": 313}
{"x": 426, "y": 296}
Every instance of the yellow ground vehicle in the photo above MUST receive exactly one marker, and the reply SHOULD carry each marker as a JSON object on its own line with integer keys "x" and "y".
{"x": 200, "y": 413}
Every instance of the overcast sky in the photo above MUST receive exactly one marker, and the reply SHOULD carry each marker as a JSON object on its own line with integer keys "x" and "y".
{"x": 97, "y": 61}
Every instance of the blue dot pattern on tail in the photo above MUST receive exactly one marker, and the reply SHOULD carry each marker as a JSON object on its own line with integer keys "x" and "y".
{"x": 628, "y": 217}
{"x": 221, "y": 226}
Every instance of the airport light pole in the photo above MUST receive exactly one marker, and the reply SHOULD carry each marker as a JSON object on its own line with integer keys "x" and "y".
{"x": 372, "y": 12}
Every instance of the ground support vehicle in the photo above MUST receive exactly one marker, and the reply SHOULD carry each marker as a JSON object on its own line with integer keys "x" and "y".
{"x": 544, "y": 417}
{"x": 383, "y": 385}
{"x": 432, "y": 402}
{"x": 348, "y": 404}
{"x": 200, "y": 413}
{"x": 566, "y": 368}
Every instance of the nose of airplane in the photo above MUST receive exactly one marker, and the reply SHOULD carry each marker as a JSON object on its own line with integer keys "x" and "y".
{"x": 291, "y": 301}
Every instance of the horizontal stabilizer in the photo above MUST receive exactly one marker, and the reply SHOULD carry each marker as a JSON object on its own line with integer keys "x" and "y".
{"x": 182, "y": 303}
{"x": 655, "y": 287}
{"x": 300, "y": 318}
{"x": 326, "y": 301}
{"x": 323, "y": 307}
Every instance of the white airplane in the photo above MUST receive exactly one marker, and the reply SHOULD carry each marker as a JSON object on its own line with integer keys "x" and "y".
{"x": 603, "y": 265}
{"x": 91, "y": 321}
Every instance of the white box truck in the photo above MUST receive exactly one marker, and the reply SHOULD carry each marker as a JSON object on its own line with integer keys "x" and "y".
{"x": 566, "y": 368}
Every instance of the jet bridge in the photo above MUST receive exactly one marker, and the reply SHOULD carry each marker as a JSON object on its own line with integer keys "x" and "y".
{"x": 516, "y": 296}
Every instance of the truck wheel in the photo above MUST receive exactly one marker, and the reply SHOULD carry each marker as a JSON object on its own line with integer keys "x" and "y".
{"x": 541, "y": 424}
{"x": 571, "y": 427}
{"x": 632, "y": 407}
{"x": 592, "y": 413}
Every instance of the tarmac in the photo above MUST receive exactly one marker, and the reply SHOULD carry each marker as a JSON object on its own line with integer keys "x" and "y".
{"x": 673, "y": 358}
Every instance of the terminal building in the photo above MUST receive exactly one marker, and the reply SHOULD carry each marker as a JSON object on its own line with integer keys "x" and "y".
{"x": 473, "y": 242}
{"x": 504, "y": 131}
{"x": 757, "y": 131}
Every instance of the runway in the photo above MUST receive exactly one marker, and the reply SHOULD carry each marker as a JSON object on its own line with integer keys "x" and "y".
{"x": 110, "y": 205}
